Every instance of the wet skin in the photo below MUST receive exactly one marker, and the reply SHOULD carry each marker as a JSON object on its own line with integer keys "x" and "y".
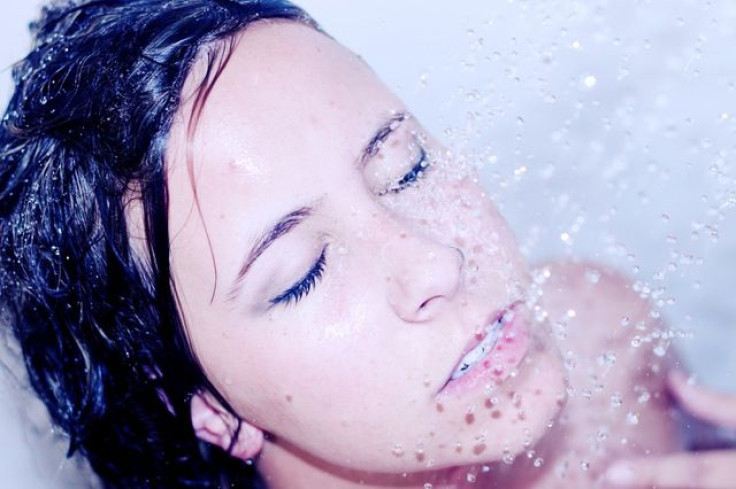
{"x": 334, "y": 265}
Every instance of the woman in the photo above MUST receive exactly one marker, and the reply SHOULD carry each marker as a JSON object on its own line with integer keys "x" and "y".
{"x": 226, "y": 247}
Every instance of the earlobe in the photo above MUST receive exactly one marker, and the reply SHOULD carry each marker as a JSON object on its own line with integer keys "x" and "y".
{"x": 214, "y": 424}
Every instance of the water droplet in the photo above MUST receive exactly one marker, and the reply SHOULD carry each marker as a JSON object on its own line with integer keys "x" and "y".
{"x": 607, "y": 359}
{"x": 632, "y": 418}
{"x": 593, "y": 276}
{"x": 538, "y": 462}
{"x": 584, "y": 465}
{"x": 470, "y": 477}
{"x": 397, "y": 451}
{"x": 590, "y": 81}
{"x": 616, "y": 400}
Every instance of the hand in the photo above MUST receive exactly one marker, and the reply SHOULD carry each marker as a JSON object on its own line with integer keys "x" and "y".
{"x": 713, "y": 469}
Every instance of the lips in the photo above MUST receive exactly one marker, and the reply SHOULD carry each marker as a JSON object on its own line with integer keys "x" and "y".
{"x": 495, "y": 352}
{"x": 481, "y": 350}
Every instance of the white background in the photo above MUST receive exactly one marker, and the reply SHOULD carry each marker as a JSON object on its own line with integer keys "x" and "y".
{"x": 606, "y": 129}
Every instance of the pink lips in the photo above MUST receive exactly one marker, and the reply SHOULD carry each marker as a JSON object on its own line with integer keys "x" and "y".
{"x": 505, "y": 356}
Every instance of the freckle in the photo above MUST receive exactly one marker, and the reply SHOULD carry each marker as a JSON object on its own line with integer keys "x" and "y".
{"x": 512, "y": 361}
{"x": 470, "y": 418}
{"x": 420, "y": 456}
{"x": 479, "y": 448}
{"x": 560, "y": 402}
{"x": 499, "y": 348}
{"x": 521, "y": 415}
{"x": 496, "y": 414}
{"x": 538, "y": 392}
{"x": 459, "y": 448}
{"x": 460, "y": 242}
{"x": 431, "y": 434}
{"x": 289, "y": 398}
{"x": 440, "y": 407}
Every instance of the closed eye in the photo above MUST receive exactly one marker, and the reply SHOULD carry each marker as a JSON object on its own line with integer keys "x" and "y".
{"x": 303, "y": 286}
{"x": 416, "y": 173}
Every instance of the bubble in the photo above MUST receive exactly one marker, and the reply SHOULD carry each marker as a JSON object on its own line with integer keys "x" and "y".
{"x": 538, "y": 462}
{"x": 584, "y": 465}
{"x": 470, "y": 477}
{"x": 590, "y": 81}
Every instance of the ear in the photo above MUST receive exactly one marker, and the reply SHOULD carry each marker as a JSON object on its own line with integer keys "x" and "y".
{"x": 216, "y": 425}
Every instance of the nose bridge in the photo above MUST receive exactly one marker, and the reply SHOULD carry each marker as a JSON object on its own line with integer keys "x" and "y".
{"x": 422, "y": 274}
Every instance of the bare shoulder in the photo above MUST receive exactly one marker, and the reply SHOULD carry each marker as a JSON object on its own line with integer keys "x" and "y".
{"x": 610, "y": 338}
{"x": 594, "y": 307}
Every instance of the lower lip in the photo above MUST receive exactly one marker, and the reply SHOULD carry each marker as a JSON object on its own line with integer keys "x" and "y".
{"x": 500, "y": 362}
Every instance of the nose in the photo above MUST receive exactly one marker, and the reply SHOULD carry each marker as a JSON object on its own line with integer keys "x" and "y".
{"x": 423, "y": 275}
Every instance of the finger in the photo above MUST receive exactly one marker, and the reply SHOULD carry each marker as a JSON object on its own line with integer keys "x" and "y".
{"x": 704, "y": 470}
{"x": 718, "y": 408}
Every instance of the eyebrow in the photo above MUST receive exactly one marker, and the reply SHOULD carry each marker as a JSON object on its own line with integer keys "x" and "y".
{"x": 282, "y": 227}
{"x": 383, "y": 132}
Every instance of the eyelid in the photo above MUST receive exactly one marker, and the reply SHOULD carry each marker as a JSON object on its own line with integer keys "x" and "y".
{"x": 297, "y": 291}
{"x": 415, "y": 173}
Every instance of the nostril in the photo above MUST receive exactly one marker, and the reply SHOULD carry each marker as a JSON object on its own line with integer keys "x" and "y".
{"x": 429, "y": 306}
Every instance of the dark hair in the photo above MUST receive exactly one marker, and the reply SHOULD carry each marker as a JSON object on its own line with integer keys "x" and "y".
{"x": 83, "y": 137}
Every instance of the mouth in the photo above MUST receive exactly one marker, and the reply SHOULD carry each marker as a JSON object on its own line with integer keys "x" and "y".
{"x": 495, "y": 352}
{"x": 491, "y": 335}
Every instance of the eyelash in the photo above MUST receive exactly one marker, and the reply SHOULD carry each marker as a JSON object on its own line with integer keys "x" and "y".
{"x": 417, "y": 172}
{"x": 296, "y": 292}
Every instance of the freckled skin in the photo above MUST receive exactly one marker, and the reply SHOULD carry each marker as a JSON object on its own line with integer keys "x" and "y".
{"x": 346, "y": 384}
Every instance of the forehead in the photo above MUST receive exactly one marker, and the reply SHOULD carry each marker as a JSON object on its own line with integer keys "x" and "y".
{"x": 284, "y": 81}
{"x": 284, "y": 86}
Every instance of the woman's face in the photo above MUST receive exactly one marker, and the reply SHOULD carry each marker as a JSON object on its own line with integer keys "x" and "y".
{"x": 341, "y": 276}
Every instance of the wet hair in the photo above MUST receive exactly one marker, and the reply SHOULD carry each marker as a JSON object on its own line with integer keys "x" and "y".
{"x": 83, "y": 138}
